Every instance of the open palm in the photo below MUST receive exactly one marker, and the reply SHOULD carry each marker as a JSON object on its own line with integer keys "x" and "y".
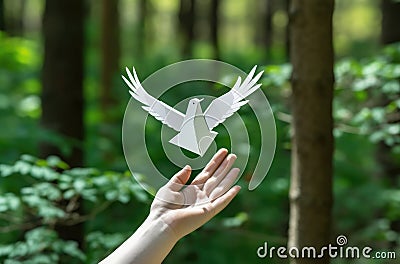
{"x": 184, "y": 208}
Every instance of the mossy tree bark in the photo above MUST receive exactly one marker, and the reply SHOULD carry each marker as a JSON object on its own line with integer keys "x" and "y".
{"x": 62, "y": 93}
{"x": 312, "y": 80}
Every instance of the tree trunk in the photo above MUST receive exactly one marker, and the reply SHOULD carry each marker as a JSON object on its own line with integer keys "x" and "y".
{"x": 390, "y": 21}
{"x": 141, "y": 26}
{"x": 264, "y": 25}
{"x": 110, "y": 53}
{"x": 390, "y": 33}
{"x": 110, "y": 49}
{"x": 312, "y": 143}
{"x": 214, "y": 27}
{"x": 2, "y": 19}
{"x": 287, "y": 33}
{"x": 19, "y": 30}
{"x": 15, "y": 21}
{"x": 268, "y": 32}
{"x": 62, "y": 95}
{"x": 187, "y": 13}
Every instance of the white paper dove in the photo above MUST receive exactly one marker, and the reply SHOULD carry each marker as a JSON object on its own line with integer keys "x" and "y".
{"x": 195, "y": 126}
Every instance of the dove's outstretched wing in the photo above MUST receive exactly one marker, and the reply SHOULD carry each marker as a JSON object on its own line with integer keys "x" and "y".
{"x": 224, "y": 106}
{"x": 161, "y": 111}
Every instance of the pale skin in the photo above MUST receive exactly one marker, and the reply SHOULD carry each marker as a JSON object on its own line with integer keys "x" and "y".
{"x": 178, "y": 210}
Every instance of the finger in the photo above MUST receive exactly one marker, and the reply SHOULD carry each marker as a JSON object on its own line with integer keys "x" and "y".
{"x": 179, "y": 179}
{"x": 222, "y": 201}
{"x": 219, "y": 174}
{"x": 225, "y": 184}
{"x": 211, "y": 167}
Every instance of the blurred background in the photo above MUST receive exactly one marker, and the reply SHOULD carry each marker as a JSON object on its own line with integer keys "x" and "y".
{"x": 66, "y": 194}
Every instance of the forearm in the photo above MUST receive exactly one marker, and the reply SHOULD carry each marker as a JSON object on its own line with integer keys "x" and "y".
{"x": 150, "y": 244}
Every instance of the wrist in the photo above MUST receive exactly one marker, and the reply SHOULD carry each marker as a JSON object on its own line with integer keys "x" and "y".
{"x": 157, "y": 222}
{"x": 150, "y": 244}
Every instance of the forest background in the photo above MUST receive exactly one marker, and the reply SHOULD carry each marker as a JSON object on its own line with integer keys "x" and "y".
{"x": 332, "y": 72}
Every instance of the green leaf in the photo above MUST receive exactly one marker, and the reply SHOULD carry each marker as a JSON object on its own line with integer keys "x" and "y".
{"x": 99, "y": 240}
{"x": 236, "y": 221}
{"x": 101, "y": 181}
{"x": 390, "y": 71}
{"x": 377, "y": 136}
{"x": 6, "y": 250}
{"x": 393, "y": 129}
{"x": 82, "y": 172}
{"x": 69, "y": 194}
{"x": 363, "y": 115}
{"x": 363, "y": 84}
{"x": 90, "y": 194}
{"x": 6, "y": 170}
{"x": 41, "y": 163}
{"x": 43, "y": 207}
{"x": 79, "y": 185}
{"x": 22, "y": 167}
{"x": 54, "y": 161}
{"x": 124, "y": 198}
{"x": 65, "y": 178}
{"x": 398, "y": 103}
{"x": 20, "y": 249}
{"x": 391, "y": 87}
{"x": 378, "y": 114}
{"x": 28, "y": 158}
{"x": 71, "y": 248}
{"x": 112, "y": 195}
{"x": 9, "y": 202}
{"x": 45, "y": 258}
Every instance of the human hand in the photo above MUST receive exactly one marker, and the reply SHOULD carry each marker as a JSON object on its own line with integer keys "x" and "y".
{"x": 178, "y": 210}
{"x": 186, "y": 208}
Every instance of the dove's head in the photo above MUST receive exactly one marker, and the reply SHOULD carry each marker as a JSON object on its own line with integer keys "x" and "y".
{"x": 194, "y": 107}
{"x": 195, "y": 101}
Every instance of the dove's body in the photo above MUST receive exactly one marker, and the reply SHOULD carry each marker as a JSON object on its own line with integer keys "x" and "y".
{"x": 194, "y": 134}
{"x": 195, "y": 127}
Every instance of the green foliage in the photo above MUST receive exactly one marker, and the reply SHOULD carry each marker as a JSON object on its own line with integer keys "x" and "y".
{"x": 99, "y": 242}
{"x": 40, "y": 245}
{"x": 375, "y": 87}
{"x": 50, "y": 195}
{"x": 366, "y": 106}
{"x": 366, "y": 112}
{"x": 20, "y": 102}
{"x": 19, "y": 96}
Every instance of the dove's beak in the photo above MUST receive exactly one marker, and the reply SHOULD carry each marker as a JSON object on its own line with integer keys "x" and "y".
{"x": 201, "y": 100}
